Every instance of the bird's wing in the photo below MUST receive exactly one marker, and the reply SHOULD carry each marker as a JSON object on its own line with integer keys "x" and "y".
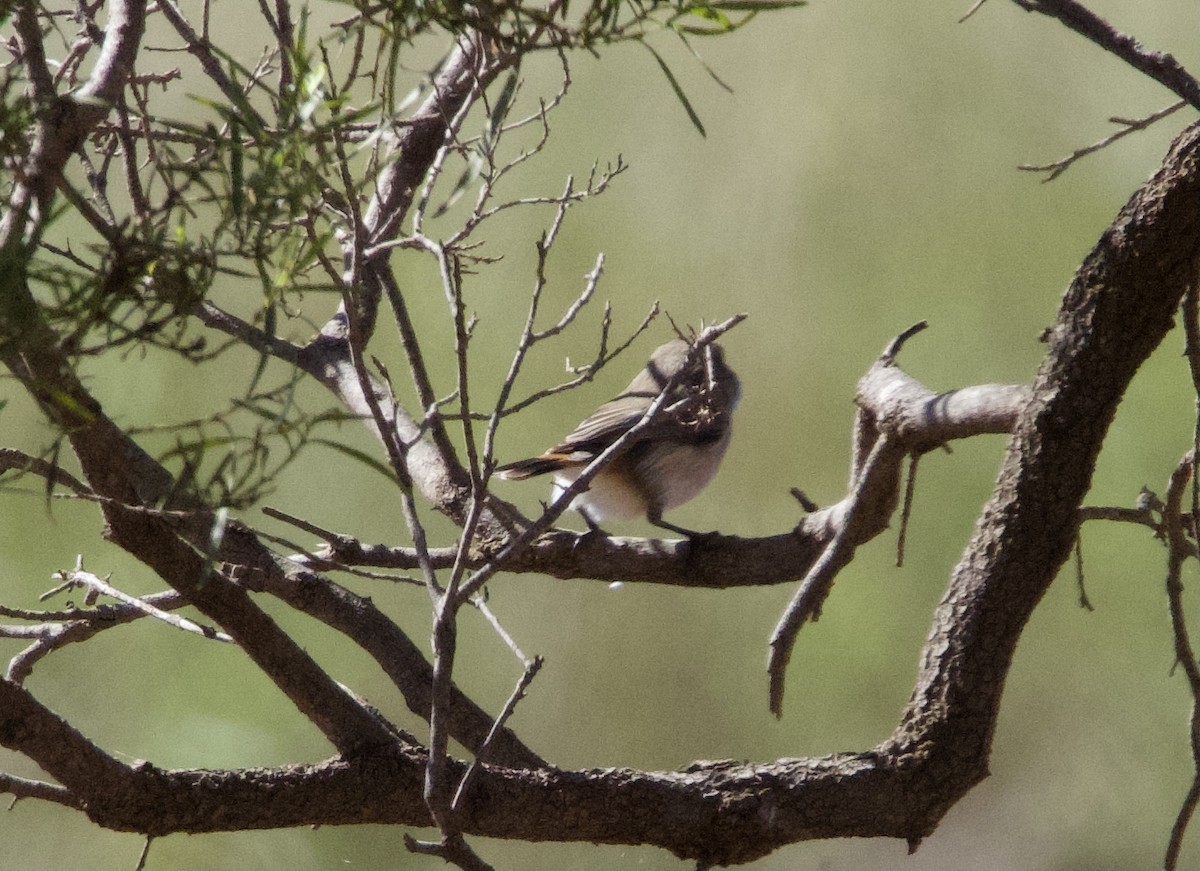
{"x": 607, "y": 424}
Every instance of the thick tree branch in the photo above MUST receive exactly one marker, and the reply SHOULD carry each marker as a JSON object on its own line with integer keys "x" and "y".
{"x": 117, "y": 470}
{"x": 1160, "y": 66}
{"x": 400, "y": 659}
{"x": 917, "y": 419}
{"x": 1115, "y": 313}
{"x": 1117, "y": 310}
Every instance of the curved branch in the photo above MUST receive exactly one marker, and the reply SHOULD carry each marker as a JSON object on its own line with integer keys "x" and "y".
{"x": 807, "y": 600}
{"x": 917, "y": 419}
{"x": 1118, "y": 308}
{"x": 19, "y": 461}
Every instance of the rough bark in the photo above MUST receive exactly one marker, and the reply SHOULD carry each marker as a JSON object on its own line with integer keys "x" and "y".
{"x": 1115, "y": 313}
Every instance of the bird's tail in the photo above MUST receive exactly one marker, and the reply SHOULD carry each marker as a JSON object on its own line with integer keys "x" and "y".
{"x": 523, "y": 469}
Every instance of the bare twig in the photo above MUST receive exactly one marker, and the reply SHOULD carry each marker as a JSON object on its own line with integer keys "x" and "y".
{"x": 198, "y": 46}
{"x": 906, "y": 513}
{"x": 1084, "y": 601}
{"x": 396, "y": 447}
{"x": 528, "y": 334}
{"x": 22, "y": 787}
{"x": 452, "y": 849}
{"x": 77, "y": 577}
{"x": 573, "y": 310}
{"x": 12, "y": 459}
{"x": 814, "y": 589}
{"x": 587, "y": 371}
{"x": 477, "y": 601}
{"x": 1128, "y": 125}
{"x": 1141, "y": 516}
{"x": 1185, "y": 654}
{"x": 141, "y": 862}
{"x": 975, "y": 8}
{"x": 320, "y": 532}
{"x": 532, "y": 667}
{"x": 57, "y": 629}
{"x": 446, "y": 607}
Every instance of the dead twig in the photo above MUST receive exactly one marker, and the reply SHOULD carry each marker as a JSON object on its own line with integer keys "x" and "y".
{"x": 77, "y": 577}
{"x": 1128, "y": 125}
{"x": 1185, "y": 655}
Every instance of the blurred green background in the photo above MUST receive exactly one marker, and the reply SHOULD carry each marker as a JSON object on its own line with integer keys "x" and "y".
{"x": 860, "y": 177}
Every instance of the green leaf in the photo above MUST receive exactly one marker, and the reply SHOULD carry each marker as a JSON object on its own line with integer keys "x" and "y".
{"x": 241, "y": 112}
{"x": 472, "y": 172}
{"x": 237, "y": 179}
{"x": 355, "y": 454}
{"x": 716, "y": 16}
{"x": 500, "y": 110}
{"x": 675, "y": 86}
{"x": 701, "y": 61}
{"x": 756, "y": 5}
{"x": 313, "y": 92}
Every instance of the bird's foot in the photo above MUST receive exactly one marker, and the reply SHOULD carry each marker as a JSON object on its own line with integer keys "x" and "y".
{"x": 593, "y": 533}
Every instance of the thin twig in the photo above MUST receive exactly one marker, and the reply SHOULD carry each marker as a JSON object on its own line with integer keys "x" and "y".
{"x": 14, "y": 460}
{"x": 198, "y": 46}
{"x": 1118, "y": 514}
{"x": 333, "y": 538}
{"x": 1061, "y": 165}
{"x": 1084, "y": 601}
{"x": 972, "y": 10}
{"x": 814, "y": 589}
{"x": 449, "y": 142}
{"x": 78, "y": 577}
{"x": 587, "y": 371}
{"x": 71, "y": 626}
{"x": 482, "y": 607}
{"x": 22, "y": 787}
{"x": 531, "y": 670}
{"x": 1184, "y": 653}
{"x": 452, "y": 849}
{"x": 528, "y": 335}
{"x": 909, "y": 490}
{"x": 141, "y": 862}
{"x": 419, "y": 371}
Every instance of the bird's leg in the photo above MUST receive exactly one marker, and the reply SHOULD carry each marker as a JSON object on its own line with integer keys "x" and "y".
{"x": 654, "y": 515}
{"x": 592, "y": 525}
{"x": 593, "y": 531}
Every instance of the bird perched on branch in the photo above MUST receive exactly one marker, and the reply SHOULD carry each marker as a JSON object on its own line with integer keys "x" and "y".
{"x": 665, "y": 464}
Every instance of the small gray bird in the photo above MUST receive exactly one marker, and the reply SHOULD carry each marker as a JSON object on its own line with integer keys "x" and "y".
{"x": 670, "y": 461}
